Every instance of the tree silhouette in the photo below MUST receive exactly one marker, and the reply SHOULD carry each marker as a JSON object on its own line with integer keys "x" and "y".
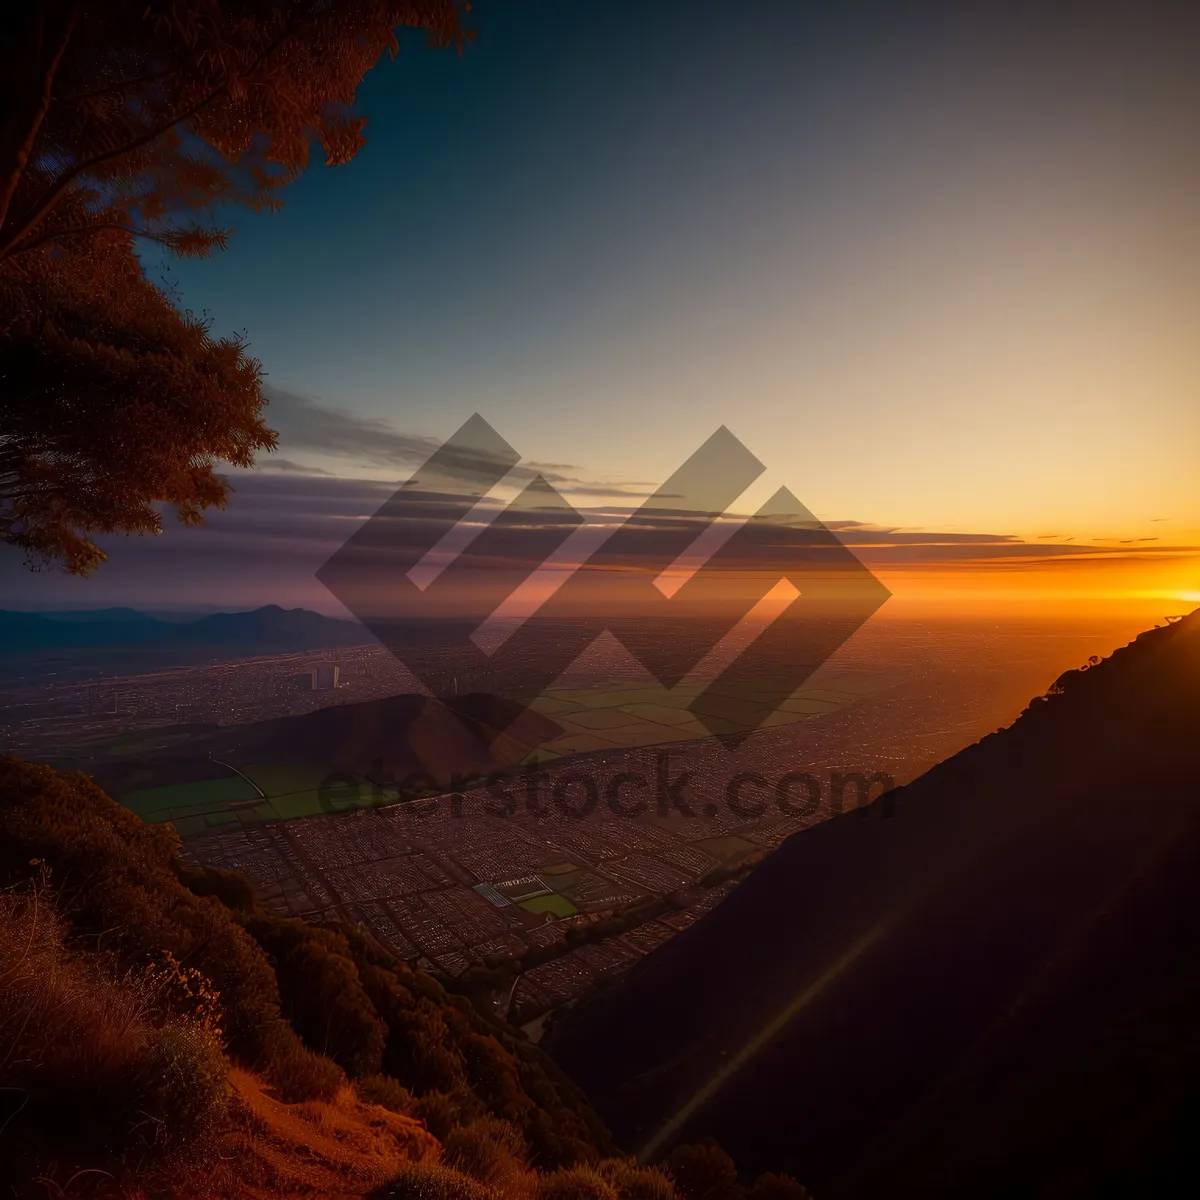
{"x": 130, "y": 121}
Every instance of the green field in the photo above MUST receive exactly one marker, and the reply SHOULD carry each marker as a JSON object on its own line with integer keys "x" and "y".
{"x": 292, "y": 790}
{"x": 622, "y": 717}
{"x": 282, "y": 779}
{"x": 309, "y": 804}
{"x": 560, "y": 906}
{"x": 153, "y": 804}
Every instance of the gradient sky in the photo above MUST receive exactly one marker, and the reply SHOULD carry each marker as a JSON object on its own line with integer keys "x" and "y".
{"x": 937, "y": 265}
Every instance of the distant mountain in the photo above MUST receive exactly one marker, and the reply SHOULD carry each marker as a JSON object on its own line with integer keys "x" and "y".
{"x": 390, "y": 740}
{"x": 262, "y": 631}
{"x": 985, "y": 984}
{"x": 397, "y": 737}
{"x": 97, "y": 616}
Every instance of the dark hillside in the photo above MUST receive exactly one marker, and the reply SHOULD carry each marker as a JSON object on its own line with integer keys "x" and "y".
{"x": 308, "y": 1007}
{"x": 985, "y": 984}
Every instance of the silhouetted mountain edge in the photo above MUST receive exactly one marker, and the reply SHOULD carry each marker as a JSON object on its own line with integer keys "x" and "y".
{"x": 260, "y": 630}
{"x": 983, "y": 984}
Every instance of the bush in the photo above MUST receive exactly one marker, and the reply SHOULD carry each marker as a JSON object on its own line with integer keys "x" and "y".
{"x": 115, "y": 1054}
{"x": 321, "y": 994}
{"x": 432, "y": 1181}
{"x": 101, "y": 1077}
{"x": 441, "y": 1114}
{"x": 298, "y": 1073}
{"x": 184, "y": 1084}
{"x": 778, "y": 1187}
{"x": 232, "y": 889}
{"x": 386, "y": 1092}
{"x": 702, "y": 1172}
{"x": 490, "y": 1150}
{"x": 632, "y": 1182}
{"x": 575, "y": 1183}
{"x": 118, "y": 880}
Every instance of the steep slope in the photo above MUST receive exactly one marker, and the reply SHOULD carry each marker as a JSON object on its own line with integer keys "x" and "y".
{"x": 986, "y": 983}
{"x": 127, "y": 978}
{"x": 163, "y": 1036}
{"x": 336, "y": 1148}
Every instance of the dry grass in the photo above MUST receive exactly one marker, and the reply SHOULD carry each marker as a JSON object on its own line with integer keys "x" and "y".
{"x": 575, "y": 1183}
{"x": 342, "y": 1147}
{"x": 96, "y": 1073}
{"x": 492, "y": 1151}
{"x": 435, "y": 1181}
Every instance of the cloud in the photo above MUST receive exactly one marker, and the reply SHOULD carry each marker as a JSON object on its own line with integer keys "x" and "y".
{"x": 286, "y": 517}
{"x": 281, "y": 525}
{"x": 304, "y": 424}
{"x": 308, "y": 516}
{"x": 272, "y": 463}
{"x": 307, "y": 425}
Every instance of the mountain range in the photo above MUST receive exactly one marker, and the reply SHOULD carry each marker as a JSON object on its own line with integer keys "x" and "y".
{"x": 983, "y": 984}
{"x": 266, "y": 630}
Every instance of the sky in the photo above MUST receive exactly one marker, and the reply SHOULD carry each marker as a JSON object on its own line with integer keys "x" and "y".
{"x": 935, "y": 265}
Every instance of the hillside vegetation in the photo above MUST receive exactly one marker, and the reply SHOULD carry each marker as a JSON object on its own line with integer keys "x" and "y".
{"x": 161, "y": 1034}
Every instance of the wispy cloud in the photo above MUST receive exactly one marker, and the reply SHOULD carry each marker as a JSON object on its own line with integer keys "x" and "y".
{"x": 274, "y": 463}
{"x": 308, "y": 426}
{"x": 282, "y": 524}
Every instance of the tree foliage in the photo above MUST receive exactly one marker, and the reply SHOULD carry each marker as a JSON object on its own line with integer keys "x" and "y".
{"x": 127, "y": 122}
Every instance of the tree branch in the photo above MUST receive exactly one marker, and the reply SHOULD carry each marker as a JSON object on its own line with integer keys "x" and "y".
{"x": 54, "y": 193}
{"x": 46, "y": 491}
{"x": 124, "y": 85}
{"x": 46, "y": 238}
{"x": 21, "y": 152}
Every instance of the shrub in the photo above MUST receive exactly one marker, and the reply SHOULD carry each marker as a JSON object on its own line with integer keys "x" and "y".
{"x": 432, "y": 1181}
{"x": 122, "y": 878}
{"x": 184, "y": 1083}
{"x": 298, "y": 1073}
{"x": 575, "y": 1183}
{"x": 778, "y": 1187}
{"x": 118, "y": 880}
{"x": 702, "y": 1172}
{"x": 101, "y": 1079}
{"x": 632, "y": 1182}
{"x": 386, "y": 1092}
{"x": 440, "y": 1112}
{"x": 232, "y": 889}
{"x": 490, "y": 1150}
{"x": 321, "y": 994}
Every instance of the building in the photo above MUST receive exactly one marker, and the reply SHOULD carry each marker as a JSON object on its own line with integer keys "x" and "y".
{"x": 326, "y": 675}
